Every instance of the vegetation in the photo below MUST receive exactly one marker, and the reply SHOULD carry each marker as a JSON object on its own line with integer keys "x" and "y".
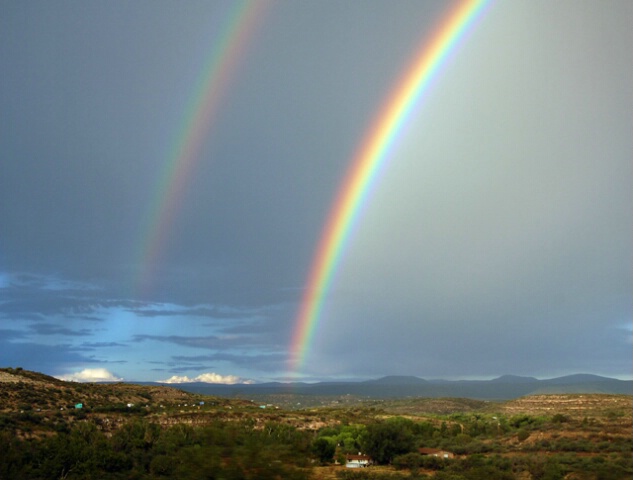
{"x": 141, "y": 449}
{"x": 167, "y": 433}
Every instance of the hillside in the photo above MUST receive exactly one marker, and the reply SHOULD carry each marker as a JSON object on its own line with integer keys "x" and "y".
{"x": 37, "y": 403}
{"x": 154, "y": 432}
{"x": 26, "y": 390}
{"x": 30, "y": 393}
{"x": 507, "y": 387}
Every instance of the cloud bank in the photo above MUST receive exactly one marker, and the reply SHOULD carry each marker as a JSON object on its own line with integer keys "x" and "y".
{"x": 91, "y": 375}
{"x": 208, "y": 378}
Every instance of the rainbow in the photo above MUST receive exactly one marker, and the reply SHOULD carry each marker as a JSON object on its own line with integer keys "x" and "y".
{"x": 369, "y": 159}
{"x": 179, "y": 165}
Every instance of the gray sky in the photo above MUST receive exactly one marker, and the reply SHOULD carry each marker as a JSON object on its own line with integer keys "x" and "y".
{"x": 496, "y": 240}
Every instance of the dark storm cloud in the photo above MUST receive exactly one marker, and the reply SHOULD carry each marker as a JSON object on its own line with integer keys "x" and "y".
{"x": 33, "y": 297}
{"x": 206, "y": 342}
{"x": 8, "y": 334}
{"x": 188, "y": 368}
{"x": 215, "y": 313}
{"x": 53, "y": 329}
{"x": 52, "y": 359}
{"x": 496, "y": 239}
{"x": 270, "y": 363}
{"x": 196, "y": 312}
{"x": 94, "y": 345}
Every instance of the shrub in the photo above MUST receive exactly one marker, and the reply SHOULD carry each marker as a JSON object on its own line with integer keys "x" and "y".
{"x": 560, "y": 418}
{"x": 412, "y": 461}
{"x": 161, "y": 465}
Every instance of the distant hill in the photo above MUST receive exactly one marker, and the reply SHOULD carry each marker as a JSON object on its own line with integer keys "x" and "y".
{"x": 397, "y": 380}
{"x": 506, "y": 387}
{"x": 513, "y": 379}
{"x": 36, "y": 389}
{"x": 576, "y": 379}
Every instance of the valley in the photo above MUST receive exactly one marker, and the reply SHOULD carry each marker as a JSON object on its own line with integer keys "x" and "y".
{"x": 55, "y": 429}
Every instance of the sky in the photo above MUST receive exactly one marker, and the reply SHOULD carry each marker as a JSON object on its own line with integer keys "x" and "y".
{"x": 168, "y": 169}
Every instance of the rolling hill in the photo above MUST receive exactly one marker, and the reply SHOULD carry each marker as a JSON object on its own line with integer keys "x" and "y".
{"x": 503, "y": 388}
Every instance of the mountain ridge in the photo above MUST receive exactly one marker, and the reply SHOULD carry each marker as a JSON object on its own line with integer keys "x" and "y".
{"x": 502, "y": 388}
{"x": 513, "y": 379}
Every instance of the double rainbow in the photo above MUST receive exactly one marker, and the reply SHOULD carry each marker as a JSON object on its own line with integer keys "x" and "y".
{"x": 372, "y": 154}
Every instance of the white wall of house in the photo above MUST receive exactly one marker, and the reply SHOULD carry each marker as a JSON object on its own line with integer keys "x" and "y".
{"x": 356, "y": 463}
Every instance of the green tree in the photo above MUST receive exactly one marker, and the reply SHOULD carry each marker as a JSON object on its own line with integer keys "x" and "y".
{"x": 384, "y": 441}
{"x": 349, "y": 437}
{"x": 323, "y": 449}
{"x": 12, "y": 457}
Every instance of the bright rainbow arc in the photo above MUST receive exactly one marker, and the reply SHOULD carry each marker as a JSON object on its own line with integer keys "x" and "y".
{"x": 178, "y": 168}
{"x": 371, "y": 156}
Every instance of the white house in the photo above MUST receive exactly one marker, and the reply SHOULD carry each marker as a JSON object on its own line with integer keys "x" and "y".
{"x": 357, "y": 461}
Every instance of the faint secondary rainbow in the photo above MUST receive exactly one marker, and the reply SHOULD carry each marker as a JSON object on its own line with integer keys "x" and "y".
{"x": 370, "y": 157}
{"x": 226, "y": 53}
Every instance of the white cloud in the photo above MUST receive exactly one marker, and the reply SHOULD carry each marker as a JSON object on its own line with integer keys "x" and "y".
{"x": 207, "y": 378}
{"x": 91, "y": 375}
